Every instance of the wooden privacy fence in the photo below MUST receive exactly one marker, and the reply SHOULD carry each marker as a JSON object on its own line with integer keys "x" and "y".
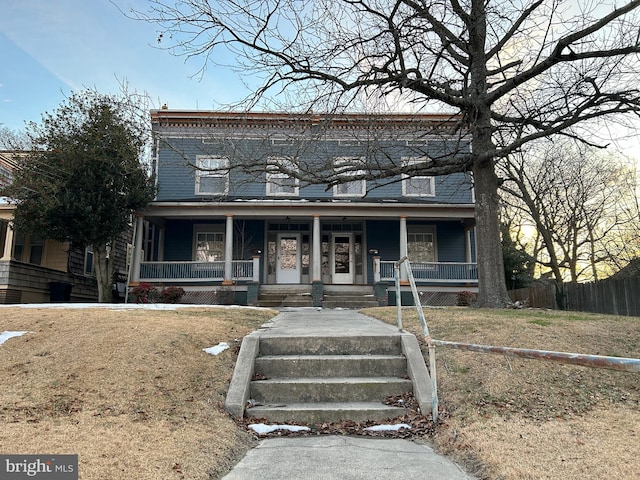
{"x": 610, "y": 296}
{"x": 540, "y": 296}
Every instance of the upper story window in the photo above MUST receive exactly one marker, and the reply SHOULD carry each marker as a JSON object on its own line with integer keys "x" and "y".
{"x": 349, "y": 167}
{"x": 212, "y": 175}
{"x": 417, "y": 185}
{"x": 279, "y": 183}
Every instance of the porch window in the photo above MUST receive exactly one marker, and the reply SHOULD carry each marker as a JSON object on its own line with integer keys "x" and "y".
{"x": 421, "y": 246}
{"x": 418, "y": 185}
{"x": 212, "y": 175}
{"x": 349, "y": 167}
{"x": 209, "y": 246}
{"x": 279, "y": 183}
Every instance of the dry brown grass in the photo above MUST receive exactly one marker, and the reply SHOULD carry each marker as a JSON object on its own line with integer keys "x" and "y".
{"x": 130, "y": 391}
{"x": 509, "y": 418}
{"x": 135, "y": 396}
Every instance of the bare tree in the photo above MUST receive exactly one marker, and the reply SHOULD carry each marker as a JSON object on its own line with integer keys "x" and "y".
{"x": 513, "y": 70}
{"x": 13, "y": 140}
{"x": 581, "y": 203}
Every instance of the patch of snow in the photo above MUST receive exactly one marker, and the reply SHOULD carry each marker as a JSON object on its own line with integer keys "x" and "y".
{"x": 217, "y": 349}
{"x": 388, "y": 428}
{"x": 6, "y": 335}
{"x": 262, "y": 429}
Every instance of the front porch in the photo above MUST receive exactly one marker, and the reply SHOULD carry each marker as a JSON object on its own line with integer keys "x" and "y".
{"x": 252, "y": 245}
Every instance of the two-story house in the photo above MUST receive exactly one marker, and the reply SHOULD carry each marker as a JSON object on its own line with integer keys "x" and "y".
{"x": 215, "y": 227}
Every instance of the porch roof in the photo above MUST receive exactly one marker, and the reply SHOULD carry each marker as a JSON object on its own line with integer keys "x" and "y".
{"x": 262, "y": 208}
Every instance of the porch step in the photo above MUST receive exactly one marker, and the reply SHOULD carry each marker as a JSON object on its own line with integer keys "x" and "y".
{"x": 317, "y": 379}
{"x": 352, "y": 297}
{"x": 285, "y": 296}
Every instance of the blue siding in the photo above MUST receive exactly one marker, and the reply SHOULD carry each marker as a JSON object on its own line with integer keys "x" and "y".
{"x": 176, "y": 178}
{"x": 383, "y": 235}
{"x": 450, "y": 239}
{"x": 179, "y": 238}
{"x": 178, "y": 241}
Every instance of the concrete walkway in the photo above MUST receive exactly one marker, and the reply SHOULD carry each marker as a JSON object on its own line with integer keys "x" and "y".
{"x": 339, "y": 457}
{"x": 344, "y": 458}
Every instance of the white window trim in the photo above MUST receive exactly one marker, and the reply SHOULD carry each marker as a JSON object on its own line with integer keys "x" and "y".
{"x": 277, "y": 174}
{"x": 406, "y": 178}
{"x": 210, "y": 174}
{"x": 341, "y": 160}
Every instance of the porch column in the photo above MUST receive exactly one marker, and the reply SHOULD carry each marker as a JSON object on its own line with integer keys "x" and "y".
{"x": 403, "y": 247}
{"x": 228, "y": 252}
{"x": 316, "y": 251}
{"x": 137, "y": 250}
{"x": 8, "y": 243}
{"x": 467, "y": 245}
{"x": 161, "y": 244}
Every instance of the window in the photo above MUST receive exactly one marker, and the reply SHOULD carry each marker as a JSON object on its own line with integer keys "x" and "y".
{"x": 4, "y": 228}
{"x": 417, "y": 185}
{"x": 88, "y": 260}
{"x": 209, "y": 246}
{"x": 30, "y": 247}
{"x": 421, "y": 245}
{"x": 349, "y": 167}
{"x": 212, "y": 176}
{"x": 278, "y": 182}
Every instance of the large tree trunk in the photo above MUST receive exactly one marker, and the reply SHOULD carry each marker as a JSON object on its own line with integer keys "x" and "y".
{"x": 104, "y": 273}
{"x": 492, "y": 286}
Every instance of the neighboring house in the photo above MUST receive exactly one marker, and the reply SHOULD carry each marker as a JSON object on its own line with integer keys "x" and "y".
{"x": 214, "y": 228}
{"x": 35, "y": 270}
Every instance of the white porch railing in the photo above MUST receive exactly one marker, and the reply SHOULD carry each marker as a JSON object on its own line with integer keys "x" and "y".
{"x": 198, "y": 271}
{"x": 447, "y": 272}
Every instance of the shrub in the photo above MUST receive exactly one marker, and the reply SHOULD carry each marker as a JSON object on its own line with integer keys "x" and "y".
{"x": 145, "y": 293}
{"x": 171, "y": 295}
{"x": 466, "y": 298}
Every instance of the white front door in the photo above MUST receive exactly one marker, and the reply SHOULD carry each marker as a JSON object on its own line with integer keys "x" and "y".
{"x": 342, "y": 258}
{"x": 288, "y": 258}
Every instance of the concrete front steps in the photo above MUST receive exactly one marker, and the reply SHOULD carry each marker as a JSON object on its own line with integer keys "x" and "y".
{"x": 323, "y": 379}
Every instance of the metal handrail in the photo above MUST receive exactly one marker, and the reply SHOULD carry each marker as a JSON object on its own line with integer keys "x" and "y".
{"x": 596, "y": 361}
{"x": 425, "y": 329}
